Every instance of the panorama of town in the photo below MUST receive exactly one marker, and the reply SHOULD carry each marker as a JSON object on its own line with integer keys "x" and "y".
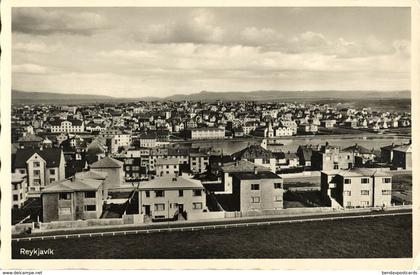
{"x": 177, "y": 164}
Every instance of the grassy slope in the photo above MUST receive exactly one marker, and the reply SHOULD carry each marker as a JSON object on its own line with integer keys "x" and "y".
{"x": 381, "y": 237}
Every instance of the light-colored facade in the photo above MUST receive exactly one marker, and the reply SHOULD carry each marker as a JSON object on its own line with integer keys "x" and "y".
{"x": 68, "y": 126}
{"x": 120, "y": 140}
{"x": 167, "y": 167}
{"x": 41, "y": 167}
{"x": 73, "y": 199}
{"x": 170, "y": 197}
{"x": 258, "y": 191}
{"x": 19, "y": 190}
{"x": 357, "y": 187}
{"x": 207, "y": 133}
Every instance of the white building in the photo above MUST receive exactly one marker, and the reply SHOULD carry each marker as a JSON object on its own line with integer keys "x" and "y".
{"x": 19, "y": 190}
{"x": 207, "y": 133}
{"x": 167, "y": 167}
{"x": 172, "y": 198}
{"x": 67, "y": 126}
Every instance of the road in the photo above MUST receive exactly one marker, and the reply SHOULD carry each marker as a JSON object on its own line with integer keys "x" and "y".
{"x": 209, "y": 225}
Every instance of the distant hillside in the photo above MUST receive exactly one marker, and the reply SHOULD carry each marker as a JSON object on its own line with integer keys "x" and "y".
{"x": 21, "y": 97}
{"x": 290, "y": 95}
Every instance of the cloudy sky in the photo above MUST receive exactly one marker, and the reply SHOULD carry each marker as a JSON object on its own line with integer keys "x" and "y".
{"x": 132, "y": 52}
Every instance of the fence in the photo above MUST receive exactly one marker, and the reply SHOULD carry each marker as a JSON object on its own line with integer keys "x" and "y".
{"x": 193, "y": 216}
{"x": 79, "y": 224}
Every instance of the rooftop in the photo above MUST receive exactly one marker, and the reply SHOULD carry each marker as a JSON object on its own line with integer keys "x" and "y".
{"x": 168, "y": 183}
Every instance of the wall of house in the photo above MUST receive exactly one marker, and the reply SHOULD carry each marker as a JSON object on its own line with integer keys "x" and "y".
{"x": 50, "y": 207}
{"x": 171, "y": 200}
{"x": 267, "y": 194}
{"x": 379, "y": 198}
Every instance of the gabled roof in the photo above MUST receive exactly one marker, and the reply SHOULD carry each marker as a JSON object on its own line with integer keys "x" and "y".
{"x": 30, "y": 138}
{"x": 73, "y": 185}
{"x": 107, "y": 162}
{"x": 360, "y": 172}
{"x": 407, "y": 148}
{"x": 357, "y": 149}
{"x": 242, "y": 166}
{"x": 253, "y": 152}
{"x": 52, "y": 156}
{"x": 168, "y": 183}
{"x": 96, "y": 175}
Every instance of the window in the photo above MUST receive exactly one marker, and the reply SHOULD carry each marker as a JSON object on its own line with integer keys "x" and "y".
{"x": 147, "y": 194}
{"x": 365, "y": 180}
{"x": 22, "y": 171}
{"x": 347, "y": 181}
{"x": 197, "y": 205}
{"x": 167, "y": 166}
{"x": 90, "y": 194}
{"x": 364, "y": 192}
{"x": 386, "y": 180}
{"x": 90, "y": 207}
{"x": 278, "y": 198}
{"x": 159, "y": 207}
{"x": 277, "y": 186}
{"x": 37, "y": 164}
{"x": 255, "y": 199}
{"x": 37, "y": 181}
{"x": 37, "y": 173}
{"x": 365, "y": 203}
{"x": 159, "y": 193}
{"x": 15, "y": 186}
{"x": 347, "y": 193}
{"x": 15, "y": 197}
{"x": 180, "y": 193}
{"x": 335, "y": 166}
{"x": 386, "y": 192}
{"x": 52, "y": 180}
{"x": 255, "y": 187}
{"x": 64, "y": 196}
{"x": 52, "y": 171}
{"x": 196, "y": 193}
{"x": 64, "y": 210}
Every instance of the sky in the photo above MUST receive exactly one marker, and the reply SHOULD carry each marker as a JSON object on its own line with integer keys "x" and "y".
{"x": 140, "y": 52}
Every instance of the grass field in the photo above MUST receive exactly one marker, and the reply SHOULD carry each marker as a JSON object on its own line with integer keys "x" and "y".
{"x": 379, "y": 237}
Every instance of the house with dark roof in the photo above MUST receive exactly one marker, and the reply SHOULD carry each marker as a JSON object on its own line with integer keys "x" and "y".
{"x": 361, "y": 154}
{"x": 258, "y": 155}
{"x": 30, "y": 141}
{"x": 41, "y": 166}
{"x": 331, "y": 157}
{"x": 402, "y": 157}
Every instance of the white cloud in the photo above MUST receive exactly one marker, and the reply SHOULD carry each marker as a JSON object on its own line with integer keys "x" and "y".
{"x": 29, "y": 69}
